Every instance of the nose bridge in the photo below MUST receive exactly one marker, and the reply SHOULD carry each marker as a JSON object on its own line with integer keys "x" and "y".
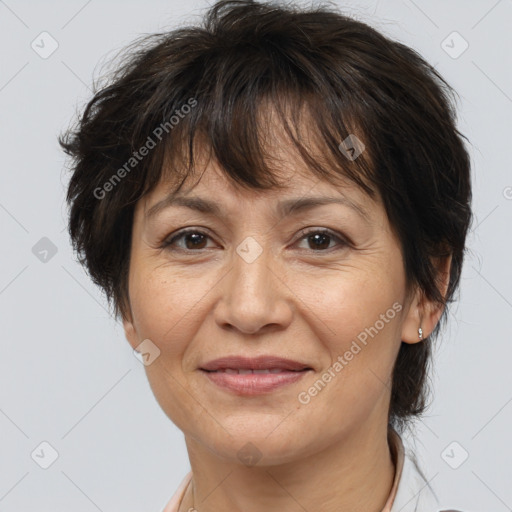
{"x": 252, "y": 264}
{"x": 252, "y": 295}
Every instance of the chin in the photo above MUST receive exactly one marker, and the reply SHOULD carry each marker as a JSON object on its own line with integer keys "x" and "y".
{"x": 253, "y": 445}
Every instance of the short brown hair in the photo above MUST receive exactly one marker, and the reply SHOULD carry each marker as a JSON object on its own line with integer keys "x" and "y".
{"x": 350, "y": 78}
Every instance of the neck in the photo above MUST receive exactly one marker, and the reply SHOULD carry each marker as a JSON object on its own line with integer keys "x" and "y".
{"x": 355, "y": 473}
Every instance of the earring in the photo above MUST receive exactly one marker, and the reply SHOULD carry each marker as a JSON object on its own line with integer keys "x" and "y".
{"x": 420, "y": 333}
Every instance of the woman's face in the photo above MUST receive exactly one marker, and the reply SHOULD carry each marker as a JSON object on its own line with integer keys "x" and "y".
{"x": 254, "y": 277}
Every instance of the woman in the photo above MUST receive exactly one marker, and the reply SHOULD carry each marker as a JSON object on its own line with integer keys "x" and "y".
{"x": 276, "y": 203}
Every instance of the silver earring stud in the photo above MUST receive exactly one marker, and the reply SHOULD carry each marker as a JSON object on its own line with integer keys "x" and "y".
{"x": 420, "y": 333}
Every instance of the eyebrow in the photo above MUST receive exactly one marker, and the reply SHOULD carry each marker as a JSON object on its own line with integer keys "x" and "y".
{"x": 285, "y": 207}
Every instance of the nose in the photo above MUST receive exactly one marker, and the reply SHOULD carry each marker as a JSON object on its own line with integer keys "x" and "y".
{"x": 254, "y": 296}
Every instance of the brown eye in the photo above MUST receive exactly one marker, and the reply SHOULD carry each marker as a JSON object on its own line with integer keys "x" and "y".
{"x": 192, "y": 239}
{"x": 319, "y": 240}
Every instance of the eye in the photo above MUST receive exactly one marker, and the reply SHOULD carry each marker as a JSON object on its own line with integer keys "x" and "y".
{"x": 320, "y": 239}
{"x": 192, "y": 238}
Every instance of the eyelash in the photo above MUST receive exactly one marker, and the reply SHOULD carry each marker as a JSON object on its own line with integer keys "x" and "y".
{"x": 342, "y": 242}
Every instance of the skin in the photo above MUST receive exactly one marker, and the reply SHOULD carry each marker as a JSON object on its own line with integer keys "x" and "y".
{"x": 296, "y": 300}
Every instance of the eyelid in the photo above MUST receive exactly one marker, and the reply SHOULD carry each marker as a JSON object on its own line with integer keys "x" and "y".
{"x": 343, "y": 241}
{"x": 168, "y": 240}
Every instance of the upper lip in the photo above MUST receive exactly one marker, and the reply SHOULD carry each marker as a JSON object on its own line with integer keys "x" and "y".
{"x": 255, "y": 363}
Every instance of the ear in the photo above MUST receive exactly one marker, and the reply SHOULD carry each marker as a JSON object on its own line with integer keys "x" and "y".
{"x": 129, "y": 330}
{"x": 424, "y": 313}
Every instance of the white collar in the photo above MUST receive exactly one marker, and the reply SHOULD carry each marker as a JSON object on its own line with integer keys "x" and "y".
{"x": 414, "y": 494}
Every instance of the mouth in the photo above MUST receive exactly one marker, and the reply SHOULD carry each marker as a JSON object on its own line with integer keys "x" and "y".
{"x": 245, "y": 377}
{"x": 247, "y": 371}
{"x": 261, "y": 364}
{"x": 254, "y": 376}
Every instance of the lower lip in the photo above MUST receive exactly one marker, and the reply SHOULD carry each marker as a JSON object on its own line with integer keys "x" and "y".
{"x": 254, "y": 383}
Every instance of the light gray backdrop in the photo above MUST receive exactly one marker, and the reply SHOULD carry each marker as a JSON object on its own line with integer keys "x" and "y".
{"x": 67, "y": 375}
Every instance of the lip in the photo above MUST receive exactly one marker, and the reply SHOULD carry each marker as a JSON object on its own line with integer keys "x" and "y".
{"x": 254, "y": 363}
{"x": 254, "y": 383}
{"x": 272, "y": 373}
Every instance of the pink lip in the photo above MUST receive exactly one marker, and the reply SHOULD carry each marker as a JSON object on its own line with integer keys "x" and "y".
{"x": 254, "y": 383}
{"x": 283, "y": 371}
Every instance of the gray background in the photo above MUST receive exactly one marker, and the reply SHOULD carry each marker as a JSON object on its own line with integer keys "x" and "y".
{"x": 68, "y": 377}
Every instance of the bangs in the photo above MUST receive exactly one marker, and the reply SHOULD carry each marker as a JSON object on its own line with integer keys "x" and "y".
{"x": 244, "y": 118}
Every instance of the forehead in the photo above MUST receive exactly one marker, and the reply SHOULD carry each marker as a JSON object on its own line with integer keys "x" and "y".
{"x": 214, "y": 193}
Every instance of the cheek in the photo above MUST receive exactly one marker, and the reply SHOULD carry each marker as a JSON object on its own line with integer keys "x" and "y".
{"x": 357, "y": 317}
{"x": 169, "y": 307}
{"x": 345, "y": 303}
{"x": 357, "y": 323}
{"x": 167, "y": 312}
{"x": 159, "y": 301}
